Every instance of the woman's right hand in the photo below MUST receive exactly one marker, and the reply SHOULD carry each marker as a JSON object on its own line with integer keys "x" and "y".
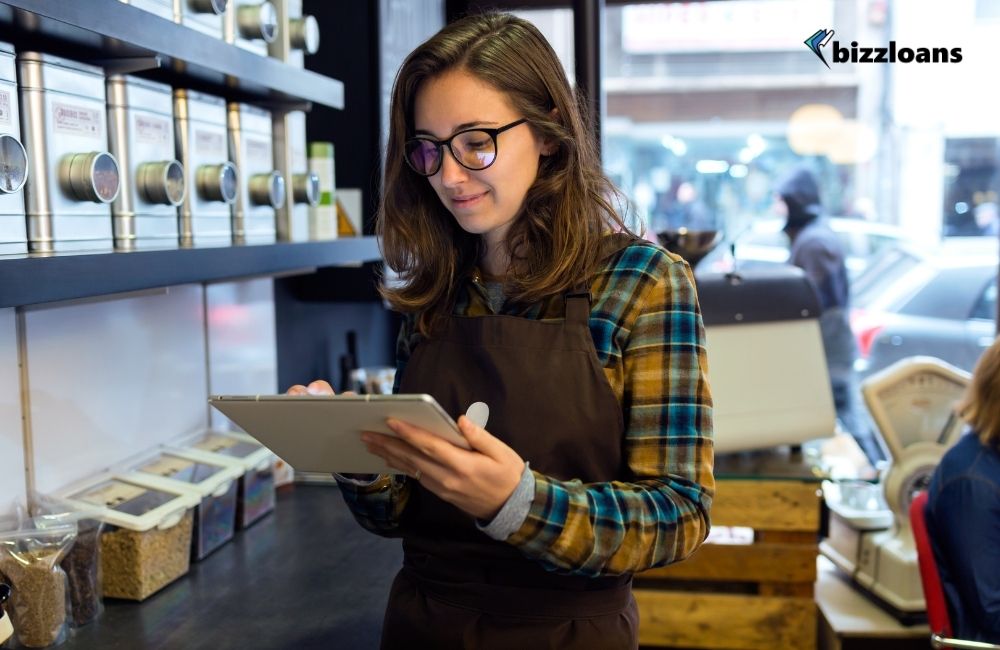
{"x": 318, "y": 387}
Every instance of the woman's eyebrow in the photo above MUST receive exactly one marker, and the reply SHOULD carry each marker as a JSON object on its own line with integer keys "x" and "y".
{"x": 460, "y": 127}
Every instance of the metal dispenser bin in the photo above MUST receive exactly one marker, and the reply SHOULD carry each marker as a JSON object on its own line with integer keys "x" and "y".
{"x": 251, "y": 24}
{"x": 298, "y": 35}
{"x": 13, "y": 160}
{"x": 72, "y": 178}
{"x": 262, "y": 188}
{"x": 292, "y": 161}
{"x": 206, "y": 16}
{"x": 212, "y": 181}
{"x": 140, "y": 114}
{"x": 162, "y": 8}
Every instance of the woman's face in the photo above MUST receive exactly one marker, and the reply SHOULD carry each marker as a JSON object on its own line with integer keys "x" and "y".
{"x": 484, "y": 202}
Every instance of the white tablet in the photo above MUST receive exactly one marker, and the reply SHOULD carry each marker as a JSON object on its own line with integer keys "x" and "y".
{"x": 322, "y": 433}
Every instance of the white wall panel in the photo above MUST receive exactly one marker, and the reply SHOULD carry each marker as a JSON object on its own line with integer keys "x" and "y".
{"x": 12, "y": 484}
{"x": 242, "y": 348}
{"x": 109, "y": 379}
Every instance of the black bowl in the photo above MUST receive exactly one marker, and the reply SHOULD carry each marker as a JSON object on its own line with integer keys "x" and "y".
{"x": 692, "y": 245}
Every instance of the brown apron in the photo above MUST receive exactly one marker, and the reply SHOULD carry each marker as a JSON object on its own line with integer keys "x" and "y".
{"x": 549, "y": 400}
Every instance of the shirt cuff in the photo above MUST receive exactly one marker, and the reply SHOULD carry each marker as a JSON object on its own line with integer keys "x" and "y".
{"x": 514, "y": 511}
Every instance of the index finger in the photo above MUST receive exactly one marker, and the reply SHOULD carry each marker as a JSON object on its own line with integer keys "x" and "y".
{"x": 426, "y": 442}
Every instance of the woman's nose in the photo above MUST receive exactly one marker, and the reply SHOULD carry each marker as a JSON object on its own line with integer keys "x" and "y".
{"x": 451, "y": 172}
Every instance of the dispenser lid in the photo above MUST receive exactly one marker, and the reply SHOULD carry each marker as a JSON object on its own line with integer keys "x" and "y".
{"x": 237, "y": 447}
{"x": 129, "y": 502}
{"x": 207, "y": 477}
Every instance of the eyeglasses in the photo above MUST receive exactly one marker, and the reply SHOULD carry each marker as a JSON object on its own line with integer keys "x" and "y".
{"x": 474, "y": 149}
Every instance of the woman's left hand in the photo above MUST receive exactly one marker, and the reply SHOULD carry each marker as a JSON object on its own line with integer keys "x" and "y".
{"x": 478, "y": 481}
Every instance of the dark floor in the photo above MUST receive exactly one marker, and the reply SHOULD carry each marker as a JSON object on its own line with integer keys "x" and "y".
{"x": 306, "y": 576}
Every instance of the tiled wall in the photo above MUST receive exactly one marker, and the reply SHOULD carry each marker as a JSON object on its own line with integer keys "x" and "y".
{"x": 242, "y": 355}
{"x": 11, "y": 448}
{"x": 113, "y": 377}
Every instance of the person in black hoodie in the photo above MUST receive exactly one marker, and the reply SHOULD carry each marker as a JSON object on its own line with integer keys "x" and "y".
{"x": 816, "y": 249}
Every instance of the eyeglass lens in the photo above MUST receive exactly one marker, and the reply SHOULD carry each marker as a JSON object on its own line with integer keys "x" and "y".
{"x": 472, "y": 149}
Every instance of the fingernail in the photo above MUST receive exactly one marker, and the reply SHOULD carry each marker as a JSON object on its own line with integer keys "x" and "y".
{"x": 392, "y": 423}
{"x": 366, "y": 438}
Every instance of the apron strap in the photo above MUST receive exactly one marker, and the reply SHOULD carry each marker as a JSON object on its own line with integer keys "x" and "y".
{"x": 578, "y": 300}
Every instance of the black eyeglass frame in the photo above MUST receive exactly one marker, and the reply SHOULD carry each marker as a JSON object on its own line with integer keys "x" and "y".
{"x": 493, "y": 133}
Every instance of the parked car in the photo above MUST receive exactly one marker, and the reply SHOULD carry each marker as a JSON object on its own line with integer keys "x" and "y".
{"x": 764, "y": 244}
{"x": 939, "y": 301}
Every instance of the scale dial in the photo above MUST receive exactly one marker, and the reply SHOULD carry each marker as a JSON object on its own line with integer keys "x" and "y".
{"x": 913, "y": 401}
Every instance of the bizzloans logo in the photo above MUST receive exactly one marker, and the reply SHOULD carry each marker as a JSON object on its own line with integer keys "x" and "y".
{"x": 890, "y": 54}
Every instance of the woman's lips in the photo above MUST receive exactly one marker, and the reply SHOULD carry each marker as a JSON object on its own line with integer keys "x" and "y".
{"x": 467, "y": 201}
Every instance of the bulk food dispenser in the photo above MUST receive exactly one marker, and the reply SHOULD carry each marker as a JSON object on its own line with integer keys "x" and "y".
{"x": 146, "y": 543}
{"x": 215, "y": 483}
{"x": 292, "y": 216}
{"x": 262, "y": 188}
{"x": 13, "y": 160}
{"x": 206, "y": 16}
{"x": 72, "y": 177}
{"x": 251, "y": 25}
{"x": 162, "y": 8}
{"x": 140, "y": 114}
{"x": 256, "y": 462}
{"x": 212, "y": 181}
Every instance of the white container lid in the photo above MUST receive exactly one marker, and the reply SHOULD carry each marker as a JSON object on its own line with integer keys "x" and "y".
{"x": 207, "y": 477}
{"x": 127, "y": 501}
{"x": 241, "y": 447}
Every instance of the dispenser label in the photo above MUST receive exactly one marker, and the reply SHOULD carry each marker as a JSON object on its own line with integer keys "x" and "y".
{"x": 259, "y": 151}
{"x": 76, "y": 120}
{"x": 5, "y": 111}
{"x": 168, "y": 466}
{"x": 210, "y": 143}
{"x": 150, "y": 129}
{"x": 112, "y": 494}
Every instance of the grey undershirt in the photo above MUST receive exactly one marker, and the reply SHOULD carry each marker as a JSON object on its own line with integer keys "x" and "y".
{"x": 508, "y": 520}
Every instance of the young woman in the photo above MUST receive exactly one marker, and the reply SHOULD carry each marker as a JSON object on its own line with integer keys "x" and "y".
{"x": 963, "y": 509}
{"x": 524, "y": 290}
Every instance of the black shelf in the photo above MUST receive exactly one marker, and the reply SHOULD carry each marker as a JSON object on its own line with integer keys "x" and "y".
{"x": 123, "y": 38}
{"x": 33, "y": 279}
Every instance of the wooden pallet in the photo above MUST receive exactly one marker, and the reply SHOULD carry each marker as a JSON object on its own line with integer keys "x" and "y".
{"x": 756, "y": 596}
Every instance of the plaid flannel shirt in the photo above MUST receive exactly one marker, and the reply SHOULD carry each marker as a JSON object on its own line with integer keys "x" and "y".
{"x": 649, "y": 337}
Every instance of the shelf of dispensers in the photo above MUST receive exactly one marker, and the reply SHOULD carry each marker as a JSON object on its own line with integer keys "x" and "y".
{"x": 121, "y": 37}
{"x": 32, "y": 279}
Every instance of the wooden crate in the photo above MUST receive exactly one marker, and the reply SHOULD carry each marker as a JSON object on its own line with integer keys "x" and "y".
{"x": 756, "y": 596}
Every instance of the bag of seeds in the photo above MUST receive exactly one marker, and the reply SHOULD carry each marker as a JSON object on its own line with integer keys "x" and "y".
{"x": 29, "y": 563}
{"x": 82, "y": 563}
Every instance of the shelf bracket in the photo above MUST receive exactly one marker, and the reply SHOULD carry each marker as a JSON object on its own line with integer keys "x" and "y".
{"x": 128, "y": 65}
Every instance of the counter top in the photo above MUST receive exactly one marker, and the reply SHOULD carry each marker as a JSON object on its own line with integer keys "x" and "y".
{"x": 306, "y": 576}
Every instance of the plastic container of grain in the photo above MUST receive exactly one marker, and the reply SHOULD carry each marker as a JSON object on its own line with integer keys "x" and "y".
{"x": 216, "y": 484}
{"x": 146, "y": 543}
{"x": 256, "y": 486}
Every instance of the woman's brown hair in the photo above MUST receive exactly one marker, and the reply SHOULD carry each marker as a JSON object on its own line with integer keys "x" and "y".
{"x": 981, "y": 405}
{"x": 556, "y": 240}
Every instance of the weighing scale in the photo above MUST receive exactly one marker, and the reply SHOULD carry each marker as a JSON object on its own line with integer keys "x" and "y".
{"x": 870, "y": 539}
